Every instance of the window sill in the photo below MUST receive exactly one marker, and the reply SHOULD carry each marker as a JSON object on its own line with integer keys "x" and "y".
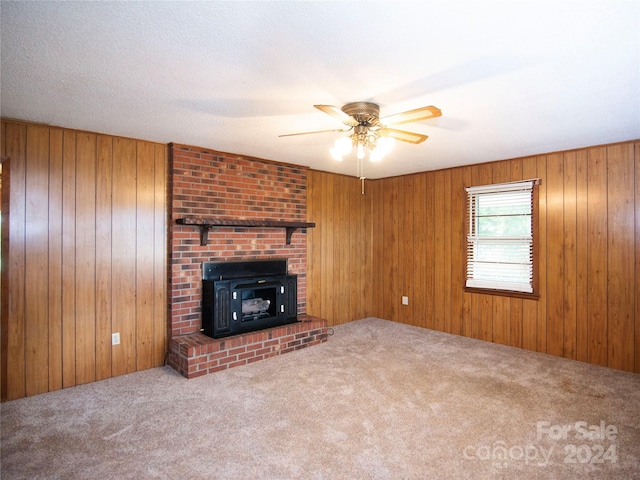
{"x": 503, "y": 293}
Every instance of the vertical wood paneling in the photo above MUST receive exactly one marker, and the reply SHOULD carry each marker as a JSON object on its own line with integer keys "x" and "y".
{"x": 328, "y": 239}
{"x": 5, "y": 183}
{"x": 36, "y": 261}
{"x": 56, "y": 327}
{"x": 597, "y": 257}
{"x": 555, "y": 258}
{"x": 341, "y": 248}
{"x": 55, "y": 259}
{"x": 69, "y": 259}
{"x": 441, "y": 225}
{"x": 446, "y": 278}
{"x": 335, "y": 310}
{"x": 485, "y": 316}
{"x": 145, "y": 197}
{"x": 501, "y": 316}
{"x": 406, "y": 247}
{"x": 377, "y": 198}
{"x": 360, "y": 249}
{"x": 85, "y": 250}
{"x": 363, "y": 253}
{"x": 569, "y": 254}
{"x": 314, "y": 242}
{"x": 541, "y": 321}
{"x": 103, "y": 256}
{"x": 458, "y": 247}
{"x": 124, "y": 261}
{"x": 430, "y": 253}
{"x": 317, "y": 257}
{"x": 419, "y": 267}
{"x": 160, "y": 212}
{"x": 582, "y": 251}
{"x": 467, "y": 298}
{"x": 342, "y": 264}
{"x": 439, "y": 222}
{"x": 353, "y": 270}
{"x": 16, "y": 149}
{"x": 390, "y": 250}
{"x": 637, "y": 255}
{"x": 620, "y": 249}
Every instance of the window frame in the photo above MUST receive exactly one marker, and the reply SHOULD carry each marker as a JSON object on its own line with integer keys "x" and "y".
{"x": 535, "y": 240}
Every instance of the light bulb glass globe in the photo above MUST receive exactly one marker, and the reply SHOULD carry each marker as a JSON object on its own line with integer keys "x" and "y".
{"x": 335, "y": 154}
{"x": 376, "y": 155}
{"x": 385, "y": 144}
{"x": 360, "y": 153}
{"x": 343, "y": 145}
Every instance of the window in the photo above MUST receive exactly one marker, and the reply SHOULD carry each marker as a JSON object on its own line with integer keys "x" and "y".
{"x": 501, "y": 237}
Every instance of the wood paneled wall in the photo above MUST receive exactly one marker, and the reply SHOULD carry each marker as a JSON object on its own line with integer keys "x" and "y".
{"x": 414, "y": 226}
{"x": 339, "y": 248}
{"x": 87, "y": 258}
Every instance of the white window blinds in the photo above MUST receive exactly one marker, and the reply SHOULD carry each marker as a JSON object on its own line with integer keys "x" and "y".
{"x": 500, "y": 236}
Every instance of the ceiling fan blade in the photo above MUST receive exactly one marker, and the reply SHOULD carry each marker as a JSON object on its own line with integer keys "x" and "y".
{"x": 416, "y": 115}
{"x": 404, "y": 136}
{"x": 335, "y": 112}
{"x": 318, "y": 131}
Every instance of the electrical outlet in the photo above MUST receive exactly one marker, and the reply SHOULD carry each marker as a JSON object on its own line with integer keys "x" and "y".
{"x": 115, "y": 338}
{"x": 405, "y": 300}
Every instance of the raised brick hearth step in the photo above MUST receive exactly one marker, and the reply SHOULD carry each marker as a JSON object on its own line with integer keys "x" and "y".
{"x": 196, "y": 354}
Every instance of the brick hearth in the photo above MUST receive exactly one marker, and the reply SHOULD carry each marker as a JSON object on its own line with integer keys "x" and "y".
{"x": 196, "y": 354}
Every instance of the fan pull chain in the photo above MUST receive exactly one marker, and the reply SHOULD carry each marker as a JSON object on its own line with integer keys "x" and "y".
{"x": 360, "y": 173}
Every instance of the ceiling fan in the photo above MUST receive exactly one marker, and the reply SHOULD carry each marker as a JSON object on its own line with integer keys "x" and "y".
{"x": 369, "y": 131}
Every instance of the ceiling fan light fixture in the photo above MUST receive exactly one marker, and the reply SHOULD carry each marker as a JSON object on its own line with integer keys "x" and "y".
{"x": 385, "y": 145}
{"x": 335, "y": 154}
{"x": 379, "y": 147}
{"x": 343, "y": 145}
{"x": 375, "y": 156}
{"x": 381, "y": 150}
{"x": 369, "y": 132}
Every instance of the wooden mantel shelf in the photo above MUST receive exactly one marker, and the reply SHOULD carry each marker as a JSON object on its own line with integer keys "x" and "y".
{"x": 206, "y": 224}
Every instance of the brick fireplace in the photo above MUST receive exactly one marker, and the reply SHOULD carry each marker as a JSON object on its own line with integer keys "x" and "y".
{"x": 209, "y": 184}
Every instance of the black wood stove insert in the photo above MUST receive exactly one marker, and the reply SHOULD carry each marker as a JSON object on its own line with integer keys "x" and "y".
{"x": 240, "y": 297}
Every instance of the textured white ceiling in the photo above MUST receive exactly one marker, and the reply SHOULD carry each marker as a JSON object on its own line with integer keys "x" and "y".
{"x": 512, "y": 78}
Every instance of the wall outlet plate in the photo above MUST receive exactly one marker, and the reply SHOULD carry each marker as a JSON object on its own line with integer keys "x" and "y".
{"x": 405, "y": 300}
{"x": 115, "y": 338}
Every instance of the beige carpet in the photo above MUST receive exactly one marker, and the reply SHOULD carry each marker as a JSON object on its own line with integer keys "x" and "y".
{"x": 379, "y": 400}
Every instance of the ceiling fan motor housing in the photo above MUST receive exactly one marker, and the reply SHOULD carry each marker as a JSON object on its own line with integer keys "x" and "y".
{"x": 365, "y": 113}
